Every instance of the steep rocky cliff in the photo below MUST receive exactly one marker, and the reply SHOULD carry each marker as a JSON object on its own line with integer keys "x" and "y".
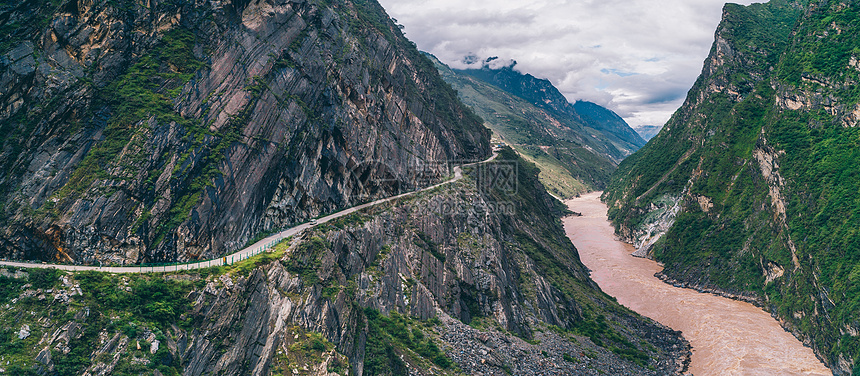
{"x": 475, "y": 277}
{"x": 572, "y": 158}
{"x": 751, "y": 189}
{"x": 148, "y": 131}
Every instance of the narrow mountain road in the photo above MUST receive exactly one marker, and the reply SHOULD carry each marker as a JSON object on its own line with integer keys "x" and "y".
{"x": 252, "y": 250}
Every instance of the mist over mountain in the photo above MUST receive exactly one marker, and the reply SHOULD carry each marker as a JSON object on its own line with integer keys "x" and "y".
{"x": 647, "y": 131}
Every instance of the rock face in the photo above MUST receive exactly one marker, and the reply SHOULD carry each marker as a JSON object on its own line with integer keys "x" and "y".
{"x": 750, "y": 189}
{"x": 158, "y": 131}
{"x": 480, "y": 273}
{"x": 24, "y": 332}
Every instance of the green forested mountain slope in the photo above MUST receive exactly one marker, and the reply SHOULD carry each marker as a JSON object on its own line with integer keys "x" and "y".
{"x": 557, "y": 138}
{"x": 608, "y": 122}
{"x": 752, "y": 188}
{"x": 598, "y": 127}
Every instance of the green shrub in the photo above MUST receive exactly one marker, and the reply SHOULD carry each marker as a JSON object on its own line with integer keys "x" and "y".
{"x": 151, "y": 298}
{"x": 306, "y": 259}
{"x": 44, "y": 278}
{"x": 387, "y": 334}
{"x": 11, "y": 288}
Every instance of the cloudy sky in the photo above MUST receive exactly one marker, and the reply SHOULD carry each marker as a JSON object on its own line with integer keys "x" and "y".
{"x": 636, "y": 57}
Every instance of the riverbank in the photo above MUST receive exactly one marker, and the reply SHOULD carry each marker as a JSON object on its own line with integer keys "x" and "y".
{"x": 729, "y": 337}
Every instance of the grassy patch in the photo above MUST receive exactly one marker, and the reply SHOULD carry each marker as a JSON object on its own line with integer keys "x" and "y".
{"x": 11, "y": 288}
{"x": 110, "y": 303}
{"x": 305, "y": 261}
{"x": 245, "y": 267}
{"x": 152, "y": 298}
{"x": 389, "y": 337}
{"x": 303, "y": 351}
{"x": 349, "y": 221}
{"x": 44, "y": 278}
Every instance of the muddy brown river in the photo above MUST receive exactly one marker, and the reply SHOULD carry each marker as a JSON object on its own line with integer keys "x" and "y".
{"x": 728, "y": 337}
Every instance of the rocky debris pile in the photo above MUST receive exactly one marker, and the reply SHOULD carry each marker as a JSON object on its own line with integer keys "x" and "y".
{"x": 24, "y": 332}
{"x": 491, "y": 352}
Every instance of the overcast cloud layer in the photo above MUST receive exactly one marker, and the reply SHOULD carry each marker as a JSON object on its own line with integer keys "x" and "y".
{"x": 636, "y": 57}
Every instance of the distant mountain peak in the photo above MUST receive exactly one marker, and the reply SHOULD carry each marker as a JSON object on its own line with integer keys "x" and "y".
{"x": 541, "y": 93}
{"x": 647, "y": 131}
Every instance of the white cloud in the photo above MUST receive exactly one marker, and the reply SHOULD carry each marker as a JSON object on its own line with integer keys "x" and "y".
{"x": 636, "y": 57}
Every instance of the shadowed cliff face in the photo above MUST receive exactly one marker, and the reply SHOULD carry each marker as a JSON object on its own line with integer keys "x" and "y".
{"x": 750, "y": 189}
{"x": 167, "y": 131}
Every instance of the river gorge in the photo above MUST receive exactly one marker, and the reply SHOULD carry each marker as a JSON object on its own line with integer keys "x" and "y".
{"x": 728, "y": 337}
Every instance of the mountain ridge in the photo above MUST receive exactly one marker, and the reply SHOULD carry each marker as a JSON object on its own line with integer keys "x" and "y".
{"x": 570, "y": 151}
{"x": 622, "y": 140}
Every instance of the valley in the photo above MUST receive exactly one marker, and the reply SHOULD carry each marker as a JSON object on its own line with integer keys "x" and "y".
{"x": 576, "y": 146}
{"x": 729, "y": 337}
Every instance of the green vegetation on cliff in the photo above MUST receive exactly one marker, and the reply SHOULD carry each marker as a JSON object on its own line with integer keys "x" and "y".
{"x": 145, "y": 90}
{"x": 387, "y": 333}
{"x": 762, "y": 159}
{"x": 109, "y": 305}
